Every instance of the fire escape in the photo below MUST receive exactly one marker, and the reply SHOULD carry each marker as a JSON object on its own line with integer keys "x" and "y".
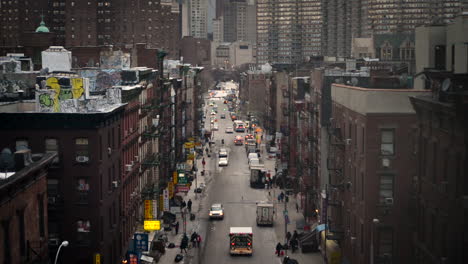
{"x": 336, "y": 188}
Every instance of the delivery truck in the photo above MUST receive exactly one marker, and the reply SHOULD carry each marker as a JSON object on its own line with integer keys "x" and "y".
{"x": 265, "y": 213}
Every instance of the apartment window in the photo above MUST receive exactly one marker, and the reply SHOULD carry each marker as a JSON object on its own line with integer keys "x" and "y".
{"x": 386, "y": 187}
{"x": 435, "y": 160}
{"x": 51, "y": 146}
{"x": 22, "y": 144}
{"x": 387, "y": 53}
{"x": 439, "y": 57}
{"x": 40, "y": 202}
{"x": 387, "y": 147}
{"x": 6, "y": 241}
{"x": 362, "y": 238}
{"x": 82, "y": 150}
{"x": 22, "y": 233}
{"x": 83, "y": 229}
{"x": 82, "y": 187}
{"x": 386, "y": 244}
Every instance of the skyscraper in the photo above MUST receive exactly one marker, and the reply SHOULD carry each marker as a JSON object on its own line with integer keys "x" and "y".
{"x": 195, "y": 18}
{"x": 344, "y": 19}
{"x": 288, "y": 31}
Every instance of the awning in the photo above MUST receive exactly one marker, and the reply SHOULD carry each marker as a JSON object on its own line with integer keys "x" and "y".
{"x": 321, "y": 227}
{"x": 147, "y": 258}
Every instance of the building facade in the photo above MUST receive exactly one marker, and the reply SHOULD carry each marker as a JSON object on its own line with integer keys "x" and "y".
{"x": 370, "y": 161}
{"x": 288, "y": 31}
{"x": 93, "y": 23}
{"x": 23, "y": 209}
{"x": 343, "y": 20}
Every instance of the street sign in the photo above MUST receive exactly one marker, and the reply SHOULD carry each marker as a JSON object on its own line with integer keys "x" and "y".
{"x": 152, "y": 225}
{"x": 141, "y": 241}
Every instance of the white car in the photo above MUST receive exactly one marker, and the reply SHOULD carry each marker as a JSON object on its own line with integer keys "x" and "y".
{"x": 223, "y": 161}
{"x": 213, "y": 113}
{"x": 215, "y": 127}
{"x": 216, "y": 211}
{"x": 252, "y": 156}
{"x": 222, "y": 153}
{"x": 229, "y": 130}
{"x": 254, "y": 162}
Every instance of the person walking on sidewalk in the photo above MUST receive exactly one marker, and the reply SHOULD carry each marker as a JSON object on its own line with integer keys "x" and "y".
{"x": 193, "y": 239}
{"x": 189, "y": 205}
{"x": 297, "y": 207}
{"x": 176, "y": 227}
{"x": 288, "y": 237}
{"x": 184, "y": 243}
{"x": 279, "y": 247}
{"x": 198, "y": 240}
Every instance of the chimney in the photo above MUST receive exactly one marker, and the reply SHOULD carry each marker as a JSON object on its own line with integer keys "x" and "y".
{"x": 22, "y": 159}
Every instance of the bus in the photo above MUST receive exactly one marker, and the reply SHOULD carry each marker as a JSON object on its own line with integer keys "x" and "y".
{"x": 241, "y": 241}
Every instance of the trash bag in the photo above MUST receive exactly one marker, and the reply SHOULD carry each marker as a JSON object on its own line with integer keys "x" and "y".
{"x": 178, "y": 258}
{"x": 171, "y": 245}
{"x": 192, "y": 217}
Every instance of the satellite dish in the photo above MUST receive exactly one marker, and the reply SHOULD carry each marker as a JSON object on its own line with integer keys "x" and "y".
{"x": 354, "y": 81}
{"x": 446, "y": 85}
{"x": 7, "y": 162}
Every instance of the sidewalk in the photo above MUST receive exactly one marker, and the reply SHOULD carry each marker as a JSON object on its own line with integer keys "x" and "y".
{"x": 295, "y": 218}
{"x": 192, "y": 254}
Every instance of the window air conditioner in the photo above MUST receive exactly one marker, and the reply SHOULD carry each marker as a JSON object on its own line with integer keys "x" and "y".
{"x": 128, "y": 167}
{"x": 389, "y": 201}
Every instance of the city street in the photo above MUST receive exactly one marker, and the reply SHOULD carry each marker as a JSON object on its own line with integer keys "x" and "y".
{"x": 230, "y": 187}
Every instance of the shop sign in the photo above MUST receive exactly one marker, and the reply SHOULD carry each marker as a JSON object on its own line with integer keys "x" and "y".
{"x": 166, "y": 199}
{"x": 180, "y": 166}
{"x": 182, "y": 188}
{"x": 148, "y": 209}
{"x": 191, "y": 156}
{"x": 174, "y": 177}
{"x": 97, "y": 258}
{"x": 155, "y": 209}
{"x": 152, "y": 225}
{"x": 182, "y": 179}
{"x": 189, "y": 145}
{"x": 141, "y": 241}
{"x": 170, "y": 187}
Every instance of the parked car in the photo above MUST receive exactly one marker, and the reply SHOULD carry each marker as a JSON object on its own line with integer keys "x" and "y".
{"x": 223, "y": 116}
{"x": 229, "y": 130}
{"x": 216, "y": 211}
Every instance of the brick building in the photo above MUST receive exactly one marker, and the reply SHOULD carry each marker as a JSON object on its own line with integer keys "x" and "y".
{"x": 83, "y": 199}
{"x": 23, "y": 209}
{"x": 371, "y": 166}
{"x": 93, "y": 23}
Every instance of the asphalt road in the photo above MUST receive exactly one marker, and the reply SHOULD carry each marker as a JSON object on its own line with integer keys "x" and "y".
{"x": 230, "y": 186}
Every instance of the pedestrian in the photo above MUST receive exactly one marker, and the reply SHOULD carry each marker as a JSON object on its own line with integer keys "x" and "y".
{"x": 193, "y": 239}
{"x": 279, "y": 247}
{"x": 288, "y": 236}
{"x": 184, "y": 243}
{"x": 295, "y": 235}
{"x": 199, "y": 239}
{"x": 286, "y": 199}
{"x": 189, "y": 205}
{"x": 294, "y": 244}
{"x": 297, "y": 207}
{"x": 176, "y": 227}
{"x": 182, "y": 205}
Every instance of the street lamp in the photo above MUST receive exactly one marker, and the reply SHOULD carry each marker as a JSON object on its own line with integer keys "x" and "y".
{"x": 375, "y": 222}
{"x": 64, "y": 244}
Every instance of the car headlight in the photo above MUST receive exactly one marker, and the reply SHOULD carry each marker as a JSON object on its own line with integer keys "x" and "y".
{"x": 211, "y": 214}
{"x": 221, "y": 213}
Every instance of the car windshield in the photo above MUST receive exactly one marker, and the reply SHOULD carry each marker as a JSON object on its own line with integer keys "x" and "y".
{"x": 216, "y": 208}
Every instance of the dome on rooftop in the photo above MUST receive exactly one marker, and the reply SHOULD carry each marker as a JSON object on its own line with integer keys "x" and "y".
{"x": 42, "y": 28}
